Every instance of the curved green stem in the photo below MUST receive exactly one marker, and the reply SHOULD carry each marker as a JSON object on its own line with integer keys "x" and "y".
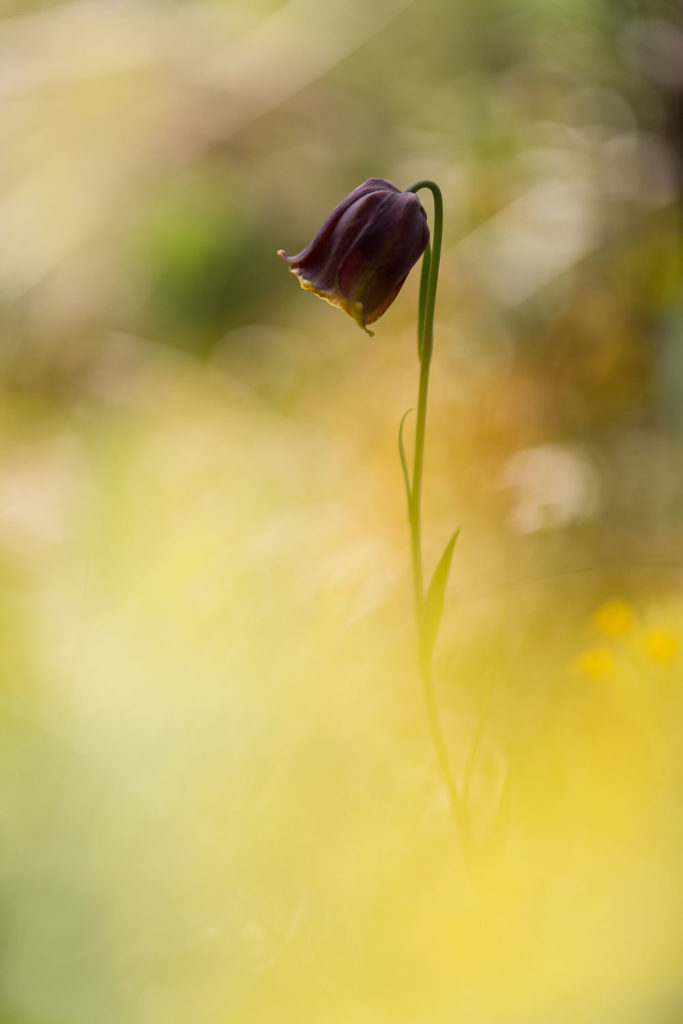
{"x": 424, "y": 281}
{"x": 430, "y": 273}
{"x": 425, "y": 335}
{"x": 425, "y": 344}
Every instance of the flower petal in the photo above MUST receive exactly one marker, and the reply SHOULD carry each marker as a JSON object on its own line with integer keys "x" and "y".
{"x": 364, "y": 251}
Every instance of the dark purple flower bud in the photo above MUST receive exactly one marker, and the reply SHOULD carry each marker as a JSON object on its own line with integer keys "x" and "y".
{"x": 364, "y": 251}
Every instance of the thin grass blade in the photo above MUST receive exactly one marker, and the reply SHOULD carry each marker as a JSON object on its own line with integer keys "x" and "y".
{"x": 404, "y": 461}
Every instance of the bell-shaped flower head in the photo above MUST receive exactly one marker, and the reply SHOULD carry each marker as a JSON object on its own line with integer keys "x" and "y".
{"x": 365, "y": 250}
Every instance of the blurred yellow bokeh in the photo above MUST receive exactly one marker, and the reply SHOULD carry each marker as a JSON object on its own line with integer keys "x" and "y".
{"x": 220, "y": 801}
{"x": 614, "y": 618}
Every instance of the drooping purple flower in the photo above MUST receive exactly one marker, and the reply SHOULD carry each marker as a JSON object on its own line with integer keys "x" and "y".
{"x": 364, "y": 251}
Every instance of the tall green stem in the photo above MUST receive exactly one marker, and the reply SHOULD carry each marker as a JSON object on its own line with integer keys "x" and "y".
{"x": 425, "y": 341}
{"x": 425, "y": 344}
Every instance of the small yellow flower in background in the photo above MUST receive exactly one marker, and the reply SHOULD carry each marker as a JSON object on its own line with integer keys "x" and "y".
{"x": 614, "y": 618}
{"x": 661, "y": 645}
{"x": 596, "y": 662}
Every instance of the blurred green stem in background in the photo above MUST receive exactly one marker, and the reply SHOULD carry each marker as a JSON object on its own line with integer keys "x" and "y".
{"x": 429, "y": 605}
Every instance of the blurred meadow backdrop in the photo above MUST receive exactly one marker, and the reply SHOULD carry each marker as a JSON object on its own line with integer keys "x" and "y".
{"x": 219, "y": 800}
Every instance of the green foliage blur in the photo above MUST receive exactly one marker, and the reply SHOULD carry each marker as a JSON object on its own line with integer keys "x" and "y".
{"x": 220, "y": 803}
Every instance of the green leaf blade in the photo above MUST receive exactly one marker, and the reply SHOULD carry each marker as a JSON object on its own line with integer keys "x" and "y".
{"x": 432, "y": 610}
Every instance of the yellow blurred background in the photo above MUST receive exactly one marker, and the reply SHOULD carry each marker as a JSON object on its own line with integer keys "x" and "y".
{"x": 219, "y": 801}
